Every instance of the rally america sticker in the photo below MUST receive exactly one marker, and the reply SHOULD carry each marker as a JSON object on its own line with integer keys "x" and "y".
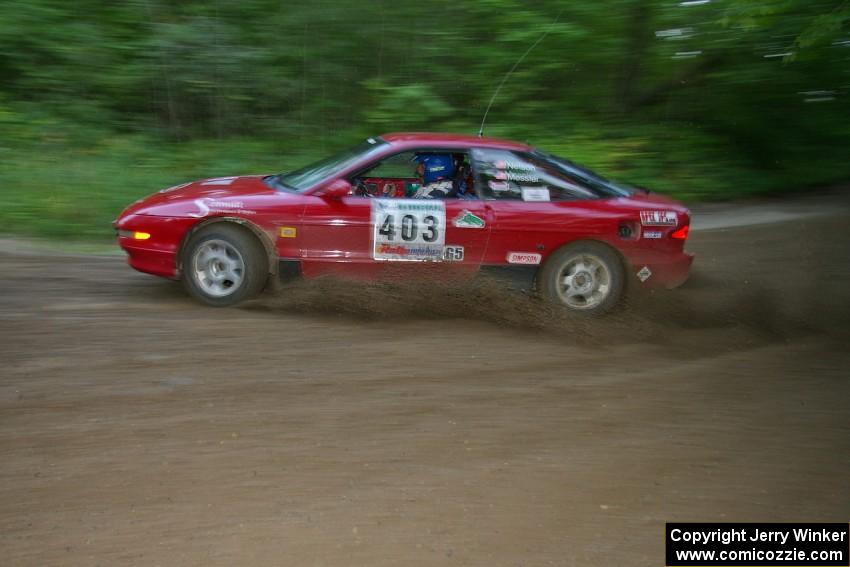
{"x": 659, "y": 218}
{"x": 524, "y": 258}
{"x": 467, "y": 219}
{"x": 408, "y": 230}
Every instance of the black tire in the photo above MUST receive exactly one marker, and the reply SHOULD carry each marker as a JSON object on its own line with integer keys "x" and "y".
{"x": 604, "y": 268}
{"x": 231, "y": 246}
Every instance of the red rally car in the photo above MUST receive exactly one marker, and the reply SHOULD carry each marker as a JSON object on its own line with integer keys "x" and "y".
{"x": 413, "y": 203}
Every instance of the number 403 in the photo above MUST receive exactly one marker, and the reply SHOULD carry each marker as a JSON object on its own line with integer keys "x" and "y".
{"x": 410, "y": 228}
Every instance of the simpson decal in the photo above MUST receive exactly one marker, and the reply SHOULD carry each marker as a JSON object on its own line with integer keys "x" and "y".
{"x": 408, "y": 230}
{"x": 467, "y": 219}
{"x": 524, "y": 258}
{"x": 659, "y": 218}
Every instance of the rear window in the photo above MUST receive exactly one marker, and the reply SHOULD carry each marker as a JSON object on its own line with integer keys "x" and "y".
{"x": 503, "y": 174}
{"x": 601, "y": 186}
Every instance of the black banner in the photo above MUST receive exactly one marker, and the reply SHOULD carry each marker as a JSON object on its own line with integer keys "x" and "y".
{"x": 758, "y": 545}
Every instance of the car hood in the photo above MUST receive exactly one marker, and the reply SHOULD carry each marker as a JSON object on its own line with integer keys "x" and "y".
{"x": 220, "y": 192}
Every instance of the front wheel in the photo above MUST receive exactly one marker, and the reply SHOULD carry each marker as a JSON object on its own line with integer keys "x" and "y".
{"x": 585, "y": 277}
{"x": 223, "y": 265}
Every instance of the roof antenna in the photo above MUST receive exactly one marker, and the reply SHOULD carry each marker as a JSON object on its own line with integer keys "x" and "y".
{"x": 509, "y": 73}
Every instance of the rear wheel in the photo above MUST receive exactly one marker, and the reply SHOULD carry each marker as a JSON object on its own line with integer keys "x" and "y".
{"x": 585, "y": 277}
{"x": 223, "y": 265}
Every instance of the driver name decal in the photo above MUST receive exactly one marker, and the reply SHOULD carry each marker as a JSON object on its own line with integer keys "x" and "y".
{"x": 407, "y": 230}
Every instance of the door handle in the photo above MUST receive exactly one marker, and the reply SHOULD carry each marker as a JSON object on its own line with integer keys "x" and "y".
{"x": 489, "y": 213}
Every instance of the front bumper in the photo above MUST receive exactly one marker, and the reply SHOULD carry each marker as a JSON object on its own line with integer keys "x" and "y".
{"x": 158, "y": 254}
{"x": 149, "y": 260}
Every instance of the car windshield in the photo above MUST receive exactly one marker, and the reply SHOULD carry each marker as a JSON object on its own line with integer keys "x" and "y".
{"x": 599, "y": 183}
{"x": 306, "y": 177}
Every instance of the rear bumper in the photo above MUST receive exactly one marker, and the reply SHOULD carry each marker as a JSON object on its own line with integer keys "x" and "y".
{"x": 663, "y": 271}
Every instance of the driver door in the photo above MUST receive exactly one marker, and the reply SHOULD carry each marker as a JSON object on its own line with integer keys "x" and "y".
{"x": 336, "y": 238}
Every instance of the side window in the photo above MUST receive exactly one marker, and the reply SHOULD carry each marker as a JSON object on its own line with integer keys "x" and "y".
{"x": 418, "y": 174}
{"x": 502, "y": 174}
{"x": 394, "y": 167}
{"x": 393, "y": 176}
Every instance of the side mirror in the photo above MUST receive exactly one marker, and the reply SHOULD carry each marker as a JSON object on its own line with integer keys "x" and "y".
{"x": 337, "y": 189}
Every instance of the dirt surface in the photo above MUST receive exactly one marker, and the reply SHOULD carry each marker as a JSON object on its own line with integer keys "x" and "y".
{"x": 351, "y": 425}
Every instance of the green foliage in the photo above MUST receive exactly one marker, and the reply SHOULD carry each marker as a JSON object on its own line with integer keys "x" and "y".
{"x": 101, "y": 103}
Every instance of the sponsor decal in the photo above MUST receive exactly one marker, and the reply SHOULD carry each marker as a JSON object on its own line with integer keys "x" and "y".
{"x": 408, "y": 253}
{"x": 219, "y": 181}
{"x": 207, "y": 206}
{"x": 535, "y": 194}
{"x": 287, "y": 232}
{"x": 408, "y": 230}
{"x": 499, "y": 186}
{"x": 652, "y": 234}
{"x": 524, "y": 258}
{"x": 659, "y": 218}
{"x": 644, "y": 273}
{"x": 468, "y": 219}
{"x": 453, "y": 253}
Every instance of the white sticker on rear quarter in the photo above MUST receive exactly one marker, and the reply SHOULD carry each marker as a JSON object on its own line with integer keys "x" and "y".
{"x": 524, "y": 258}
{"x": 535, "y": 194}
{"x": 644, "y": 273}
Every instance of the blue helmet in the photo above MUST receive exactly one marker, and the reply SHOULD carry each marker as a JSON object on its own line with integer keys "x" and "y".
{"x": 437, "y": 166}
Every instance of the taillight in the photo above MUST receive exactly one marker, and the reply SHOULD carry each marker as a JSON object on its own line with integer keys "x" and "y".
{"x": 681, "y": 233}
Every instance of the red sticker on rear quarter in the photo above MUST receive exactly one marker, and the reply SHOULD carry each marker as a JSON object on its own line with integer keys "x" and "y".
{"x": 524, "y": 258}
